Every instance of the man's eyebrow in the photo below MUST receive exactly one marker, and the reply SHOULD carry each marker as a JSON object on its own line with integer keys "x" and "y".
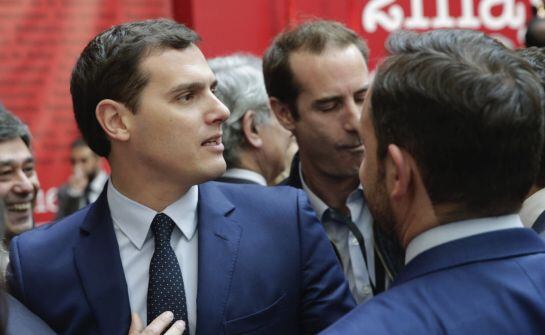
{"x": 195, "y": 86}
{"x": 362, "y": 90}
{"x": 5, "y": 162}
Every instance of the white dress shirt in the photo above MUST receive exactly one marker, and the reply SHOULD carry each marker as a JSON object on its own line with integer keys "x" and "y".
{"x": 247, "y": 175}
{"x": 356, "y": 271}
{"x": 532, "y": 208}
{"x": 456, "y": 230}
{"x": 132, "y": 222}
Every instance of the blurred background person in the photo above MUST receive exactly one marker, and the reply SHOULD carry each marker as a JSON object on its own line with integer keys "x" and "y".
{"x": 535, "y": 31}
{"x": 85, "y": 183}
{"x": 532, "y": 212}
{"x": 18, "y": 179}
{"x": 255, "y": 143}
{"x": 18, "y": 188}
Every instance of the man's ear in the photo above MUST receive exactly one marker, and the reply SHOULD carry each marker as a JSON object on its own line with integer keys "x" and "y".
{"x": 283, "y": 113}
{"x": 114, "y": 118}
{"x": 398, "y": 171}
{"x": 250, "y": 131}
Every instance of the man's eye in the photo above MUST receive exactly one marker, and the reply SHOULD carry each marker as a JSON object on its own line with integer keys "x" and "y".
{"x": 359, "y": 99}
{"x": 29, "y": 170}
{"x": 186, "y": 97}
{"x": 5, "y": 173}
{"x": 328, "y": 106}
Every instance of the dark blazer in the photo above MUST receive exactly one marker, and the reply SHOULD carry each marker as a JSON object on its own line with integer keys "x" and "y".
{"x": 488, "y": 284}
{"x": 539, "y": 225}
{"x": 293, "y": 179}
{"x": 21, "y": 321}
{"x": 67, "y": 204}
{"x": 265, "y": 267}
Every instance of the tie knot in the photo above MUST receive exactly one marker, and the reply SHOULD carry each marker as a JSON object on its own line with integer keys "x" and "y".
{"x": 162, "y": 227}
{"x": 337, "y": 216}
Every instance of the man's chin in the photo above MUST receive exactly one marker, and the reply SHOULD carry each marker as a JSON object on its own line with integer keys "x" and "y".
{"x": 18, "y": 223}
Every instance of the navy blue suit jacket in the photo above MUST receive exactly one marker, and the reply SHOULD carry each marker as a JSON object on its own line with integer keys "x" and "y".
{"x": 265, "y": 267}
{"x": 20, "y": 321}
{"x": 488, "y": 284}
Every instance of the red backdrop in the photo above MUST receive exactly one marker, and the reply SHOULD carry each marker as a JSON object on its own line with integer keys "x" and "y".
{"x": 40, "y": 40}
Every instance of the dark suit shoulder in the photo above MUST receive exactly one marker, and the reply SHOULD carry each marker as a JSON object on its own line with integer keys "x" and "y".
{"x": 22, "y": 321}
{"x": 49, "y": 236}
{"x": 256, "y": 193}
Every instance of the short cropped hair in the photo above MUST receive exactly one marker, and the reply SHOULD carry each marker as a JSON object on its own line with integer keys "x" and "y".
{"x": 536, "y": 58}
{"x": 468, "y": 110}
{"x": 11, "y": 127}
{"x": 312, "y": 36}
{"x": 240, "y": 88}
{"x": 108, "y": 68}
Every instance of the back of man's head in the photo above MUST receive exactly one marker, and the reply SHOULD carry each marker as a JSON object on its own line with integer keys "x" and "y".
{"x": 240, "y": 88}
{"x": 536, "y": 57}
{"x": 11, "y": 127}
{"x": 108, "y": 68}
{"x": 311, "y": 36}
{"x": 468, "y": 110}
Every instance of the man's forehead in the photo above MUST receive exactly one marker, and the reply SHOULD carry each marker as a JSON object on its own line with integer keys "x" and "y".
{"x": 328, "y": 71}
{"x": 167, "y": 61}
{"x": 14, "y": 150}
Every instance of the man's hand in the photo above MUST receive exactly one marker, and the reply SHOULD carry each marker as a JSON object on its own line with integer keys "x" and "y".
{"x": 157, "y": 326}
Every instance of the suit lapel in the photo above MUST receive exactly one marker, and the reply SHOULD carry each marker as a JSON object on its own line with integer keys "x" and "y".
{"x": 483, "y": 247}
{"x": 219, "y": 238}
{"x": 539, "y": 225}
{"x": 101, "y": 273}
{"x": 294, "y": 179}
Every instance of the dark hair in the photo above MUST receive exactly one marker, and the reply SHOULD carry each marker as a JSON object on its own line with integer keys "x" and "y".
{"x": 535, "y": 33}
{"x": 311, "y": 36}
{"x": 11, "y": 127}
{"x": 78, "y": 143}
{"x": 108, "y": 69}
{"x": 468, "y": 110}
{"x": 536, "y": 58}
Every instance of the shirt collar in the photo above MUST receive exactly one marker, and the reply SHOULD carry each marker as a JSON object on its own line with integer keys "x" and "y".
{"x": 246, "y": 174}
{"x": 135, "y": 219}
{"x": 355, "y": 199}
{"x": 532, "y": 208}
{"x": 456, "y": 230}
{"x": 98, "y": 182}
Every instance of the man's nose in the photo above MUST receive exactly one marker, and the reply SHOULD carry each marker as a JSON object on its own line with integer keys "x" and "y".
{"x": 218, "y": 111}
{"x": 351, "y": 116}
{"x": 23, "y": 184}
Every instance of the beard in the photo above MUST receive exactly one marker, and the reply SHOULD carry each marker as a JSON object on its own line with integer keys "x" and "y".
{"x": 384, "y": 226}
{"x": 379, "y": 204}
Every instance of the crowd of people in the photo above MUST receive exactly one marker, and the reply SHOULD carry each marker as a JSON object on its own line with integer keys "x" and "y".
{"x": 413, "y": 205}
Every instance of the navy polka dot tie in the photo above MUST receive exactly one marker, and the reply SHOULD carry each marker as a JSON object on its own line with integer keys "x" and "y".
{"x": 166, "y": 285}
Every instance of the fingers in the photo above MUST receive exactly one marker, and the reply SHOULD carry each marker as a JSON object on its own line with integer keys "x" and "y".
{"x": 157, "y": 326}
{"x": 177, "y": 328}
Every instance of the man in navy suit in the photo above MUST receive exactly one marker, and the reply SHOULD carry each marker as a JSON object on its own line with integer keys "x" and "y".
{"x": 223, "y": 259}
{"x": 453, "y": 128}
{"x": 532, "y": 212}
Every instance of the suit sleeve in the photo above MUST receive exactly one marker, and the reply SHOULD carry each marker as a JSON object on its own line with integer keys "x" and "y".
{"x": 14, "y": 273}
{"x": 325, "y": 293}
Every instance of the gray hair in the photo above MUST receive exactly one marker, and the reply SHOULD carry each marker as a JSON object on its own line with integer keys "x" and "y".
{"x": 241, "y": 88}
{"x": 11, "y": 127}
